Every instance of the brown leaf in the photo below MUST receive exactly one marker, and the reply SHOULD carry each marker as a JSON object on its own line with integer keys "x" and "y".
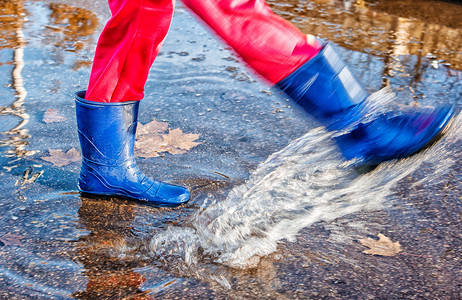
{"x": 60, "y": 158}
{"x": 151, "y": 140}
{"x": 151, "y": 128}
{"x": 52, "y": 115}
{"x": 175, "y": 151}
{"x": 383, "y": 246}
{"x": 149, "y": 145}
{"x": 11, "y": 239}
{"x": 177, "y": 139}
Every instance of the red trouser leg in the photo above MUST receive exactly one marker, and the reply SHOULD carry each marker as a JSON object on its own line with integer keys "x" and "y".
{"x": 127, "y": 48}
{"x": 271, "y": 46}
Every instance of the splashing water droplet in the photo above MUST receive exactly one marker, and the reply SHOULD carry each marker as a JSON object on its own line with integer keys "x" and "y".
{"x": 304, "y": 183}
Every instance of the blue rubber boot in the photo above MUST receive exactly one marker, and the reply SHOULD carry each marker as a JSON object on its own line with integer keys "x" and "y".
{"x": 325, "y": 88}
{"x": 107, "y": 139}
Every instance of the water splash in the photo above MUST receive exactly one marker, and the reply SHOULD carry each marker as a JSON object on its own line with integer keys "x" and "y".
{"x": 304, "y": 183}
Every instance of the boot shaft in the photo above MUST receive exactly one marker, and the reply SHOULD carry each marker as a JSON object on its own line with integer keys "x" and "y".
{"x": 325, "y": 88}
{"x": 106, "y": 130}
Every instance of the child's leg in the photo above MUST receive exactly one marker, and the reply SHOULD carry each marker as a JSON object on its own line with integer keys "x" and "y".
{"x": 125, "y": 51}
{"x": 127, "y": 48}
{"x": 270, "y": 45}
{"x": 319, "y": 81}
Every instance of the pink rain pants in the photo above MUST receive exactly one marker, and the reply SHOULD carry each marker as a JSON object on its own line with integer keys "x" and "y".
{"x": 132, "y": 38}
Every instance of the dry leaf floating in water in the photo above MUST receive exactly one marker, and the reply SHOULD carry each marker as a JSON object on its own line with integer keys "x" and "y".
{"x": 384, "y": 246}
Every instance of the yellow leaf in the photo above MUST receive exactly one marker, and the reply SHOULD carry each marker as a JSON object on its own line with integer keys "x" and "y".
{"x": 383, "y": 246}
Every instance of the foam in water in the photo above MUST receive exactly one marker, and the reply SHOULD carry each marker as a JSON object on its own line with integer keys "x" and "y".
{"x": 306, "y": 182}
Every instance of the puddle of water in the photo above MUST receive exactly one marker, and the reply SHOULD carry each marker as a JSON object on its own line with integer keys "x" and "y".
{"x": 304, "y": 183}
{"x": 383, "y": 28}
{"x": 285, "y": 226}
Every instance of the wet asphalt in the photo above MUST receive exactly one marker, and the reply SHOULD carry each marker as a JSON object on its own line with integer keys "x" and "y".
{"x": 57, "y": 244}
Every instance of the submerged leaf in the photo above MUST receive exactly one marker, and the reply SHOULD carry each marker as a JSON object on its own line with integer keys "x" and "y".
{"x": 151, "y": 128}
{"x": 52, "y": 115}
{"x": 60, "y": 158}
{"x": 11, "y": 239}
{"x": 151, "y": 140}
{"x": 177, "y": 139}
{"x": 383, "y": 246}
{"x": 149, "y": 145}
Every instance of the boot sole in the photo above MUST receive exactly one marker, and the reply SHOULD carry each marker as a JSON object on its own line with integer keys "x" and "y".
{"x": 368, "y": 167}
{"x": 106, "y": 197}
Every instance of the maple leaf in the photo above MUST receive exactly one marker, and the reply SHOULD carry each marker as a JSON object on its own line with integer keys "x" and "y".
{"x": 177, "y": 139}
{"x": 151, "y": 127}
{"x": 149, "y": 145}
{"x": 60, "y": 158}
{"x": 11, "y": 239}
{"x": 383, "y": 246}
{"x": 175, "y": 151}
{"x": 52, "y": 115}
{"x": 151, "y": 140}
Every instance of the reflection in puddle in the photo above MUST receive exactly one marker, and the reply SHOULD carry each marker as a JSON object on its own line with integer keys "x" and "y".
{"x": 108, "y": 278}
{"x": 91, "y": 248}
{"x": 45, "y": 234}
{"x": 17, "y": 137}
{"x": 70, "y": 28}
{"x": 382, "y": 28}
{"x": 409, "y": 37}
